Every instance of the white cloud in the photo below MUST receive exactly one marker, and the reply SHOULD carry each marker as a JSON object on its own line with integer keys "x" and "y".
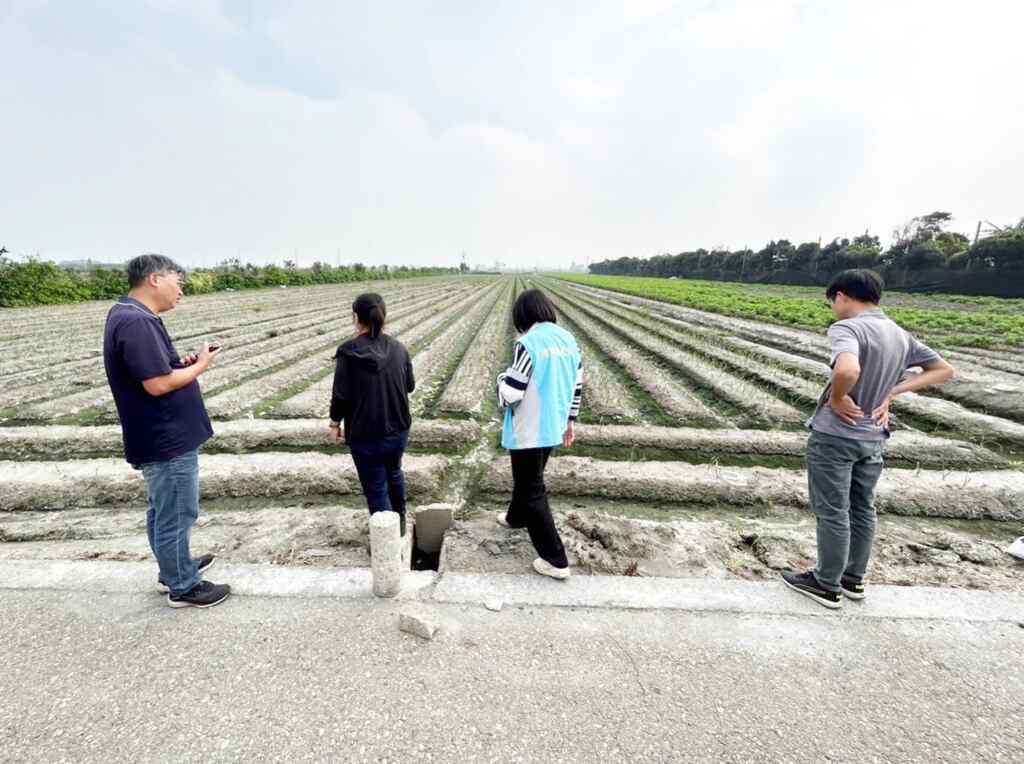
{"x": 526, "y": 134}
{"x": 742, "y": 25}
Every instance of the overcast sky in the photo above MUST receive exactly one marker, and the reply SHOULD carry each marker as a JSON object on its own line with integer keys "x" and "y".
{"x": 521, "y": 132}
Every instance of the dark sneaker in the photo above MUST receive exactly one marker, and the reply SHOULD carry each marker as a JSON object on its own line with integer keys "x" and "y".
{"x": 203, "y": 563}
{"x": 807, "y": 584}
{"x": 203, "y": 594}
{"x": 852, "y": 588}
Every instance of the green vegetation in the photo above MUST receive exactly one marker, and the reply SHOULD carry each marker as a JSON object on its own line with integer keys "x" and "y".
{"x": 984, "y": 322}
{"x": 38, "y": 282}
{"x": 924, "y": 257}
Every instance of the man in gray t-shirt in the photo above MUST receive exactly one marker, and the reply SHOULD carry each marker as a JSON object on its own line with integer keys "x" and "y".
{"x": 884, "y": 352}
{"x": 870, "y": 357}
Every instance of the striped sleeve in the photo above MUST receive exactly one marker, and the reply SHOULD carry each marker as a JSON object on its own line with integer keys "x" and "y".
{"x": 577, "y": 396}
{"x": 513, "y": 381}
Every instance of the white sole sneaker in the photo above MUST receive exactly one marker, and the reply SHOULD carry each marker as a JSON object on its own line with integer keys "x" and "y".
{"x": 545, "y": 568}
{"x": 502, "y": 519}
{"x": 850, "y": 594}
{"x": 162, "y": 587}
{"x": 811, "y": 595}
{"x": 180, "y": 604}
{"x": 1016, "y": 549}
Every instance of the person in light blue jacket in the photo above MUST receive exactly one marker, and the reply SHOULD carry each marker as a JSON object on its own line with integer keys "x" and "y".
{"x": 541, "y": 393}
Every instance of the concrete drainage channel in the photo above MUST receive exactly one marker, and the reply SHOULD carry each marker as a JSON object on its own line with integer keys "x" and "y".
{"x": 425, "y": 542}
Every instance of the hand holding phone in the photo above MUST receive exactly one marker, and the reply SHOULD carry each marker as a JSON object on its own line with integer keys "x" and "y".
{"x": 208, "y": 354}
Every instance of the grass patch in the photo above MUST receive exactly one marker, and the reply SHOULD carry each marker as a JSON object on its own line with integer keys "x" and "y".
{"x": 971, "y": 322}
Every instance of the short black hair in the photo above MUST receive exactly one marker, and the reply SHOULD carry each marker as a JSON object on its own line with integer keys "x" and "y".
{"x": 858, "y": 283}
{"x": 370, "y": 309}
{"x": 532, "y": 307}
{"x": 142, "y": 267}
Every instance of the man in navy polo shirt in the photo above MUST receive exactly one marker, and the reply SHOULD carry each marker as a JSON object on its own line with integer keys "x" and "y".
{"x": 164, "y": 422}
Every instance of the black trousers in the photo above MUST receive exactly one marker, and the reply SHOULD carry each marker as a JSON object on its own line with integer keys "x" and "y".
{"x": 529, "y": 507}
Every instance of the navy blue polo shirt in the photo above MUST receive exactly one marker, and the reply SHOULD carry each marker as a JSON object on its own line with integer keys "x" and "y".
{"x": 136, "y": 347}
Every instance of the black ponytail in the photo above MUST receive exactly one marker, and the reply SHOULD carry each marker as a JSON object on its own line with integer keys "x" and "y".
{"x": 369, "y": 309}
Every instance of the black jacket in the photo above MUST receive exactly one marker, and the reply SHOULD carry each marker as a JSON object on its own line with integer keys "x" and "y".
{"x": 372, "y": 382}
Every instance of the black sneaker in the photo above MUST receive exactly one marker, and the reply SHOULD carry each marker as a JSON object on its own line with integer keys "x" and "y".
{"x": 203, "y": 563}
{"x": 203, "y": 594}
{"x": 808, "y": 585}
{"x": 852, "y": 588}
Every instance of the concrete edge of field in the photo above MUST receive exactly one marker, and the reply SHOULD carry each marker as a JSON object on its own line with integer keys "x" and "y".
{"x": 632, "y": 593}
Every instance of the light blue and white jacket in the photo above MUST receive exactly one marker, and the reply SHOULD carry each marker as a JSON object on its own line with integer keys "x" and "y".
{"x": 542, "y": 389}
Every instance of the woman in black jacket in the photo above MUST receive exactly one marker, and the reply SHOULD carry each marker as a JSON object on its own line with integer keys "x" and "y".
{"x": 370, "y": 405}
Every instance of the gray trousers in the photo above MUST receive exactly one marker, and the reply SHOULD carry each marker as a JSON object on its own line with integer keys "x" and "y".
{"x": 841, "y": 477}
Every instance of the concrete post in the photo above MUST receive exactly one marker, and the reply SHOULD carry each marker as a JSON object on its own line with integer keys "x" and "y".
{"x": 386, "y": 554}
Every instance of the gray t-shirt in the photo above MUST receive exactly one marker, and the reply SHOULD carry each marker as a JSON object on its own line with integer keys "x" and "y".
{"x": 886, "y": 352}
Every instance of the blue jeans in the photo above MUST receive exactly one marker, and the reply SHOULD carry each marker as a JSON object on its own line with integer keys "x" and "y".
{"x": 841, "y": 475}
{"x": 379, "y": 464}
{"x": 173, "y": 508}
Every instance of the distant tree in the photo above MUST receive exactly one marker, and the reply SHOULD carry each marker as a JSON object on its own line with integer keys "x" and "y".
{"x": 933, "y": 223}
{"x": 805, "y": 258}
{"x": 781, "y": 253}
{"x": 922, "y": 251}
{"x": 923, "y": 243}
{"x": 863, "y": 252}
{"x": 1003, "y": 250}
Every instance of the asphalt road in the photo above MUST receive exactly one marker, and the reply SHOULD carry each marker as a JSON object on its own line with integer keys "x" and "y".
{"x": 111, "y": 677}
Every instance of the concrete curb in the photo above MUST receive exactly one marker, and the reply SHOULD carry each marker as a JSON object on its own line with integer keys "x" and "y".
{"x": 693, "y": 595}
{"x": 247, "y": 580}
{"x": 716, "y": 595}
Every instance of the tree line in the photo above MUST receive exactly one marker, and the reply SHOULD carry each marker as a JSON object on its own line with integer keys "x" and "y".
{"x": 924, "y": 256}
{"x": 42, "y": 282}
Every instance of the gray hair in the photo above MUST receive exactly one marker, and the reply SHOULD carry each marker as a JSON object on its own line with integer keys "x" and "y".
{"x": 142, "y": 267}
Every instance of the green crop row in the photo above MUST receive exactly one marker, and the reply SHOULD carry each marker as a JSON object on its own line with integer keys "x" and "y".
{"x": 986, "y": 325}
